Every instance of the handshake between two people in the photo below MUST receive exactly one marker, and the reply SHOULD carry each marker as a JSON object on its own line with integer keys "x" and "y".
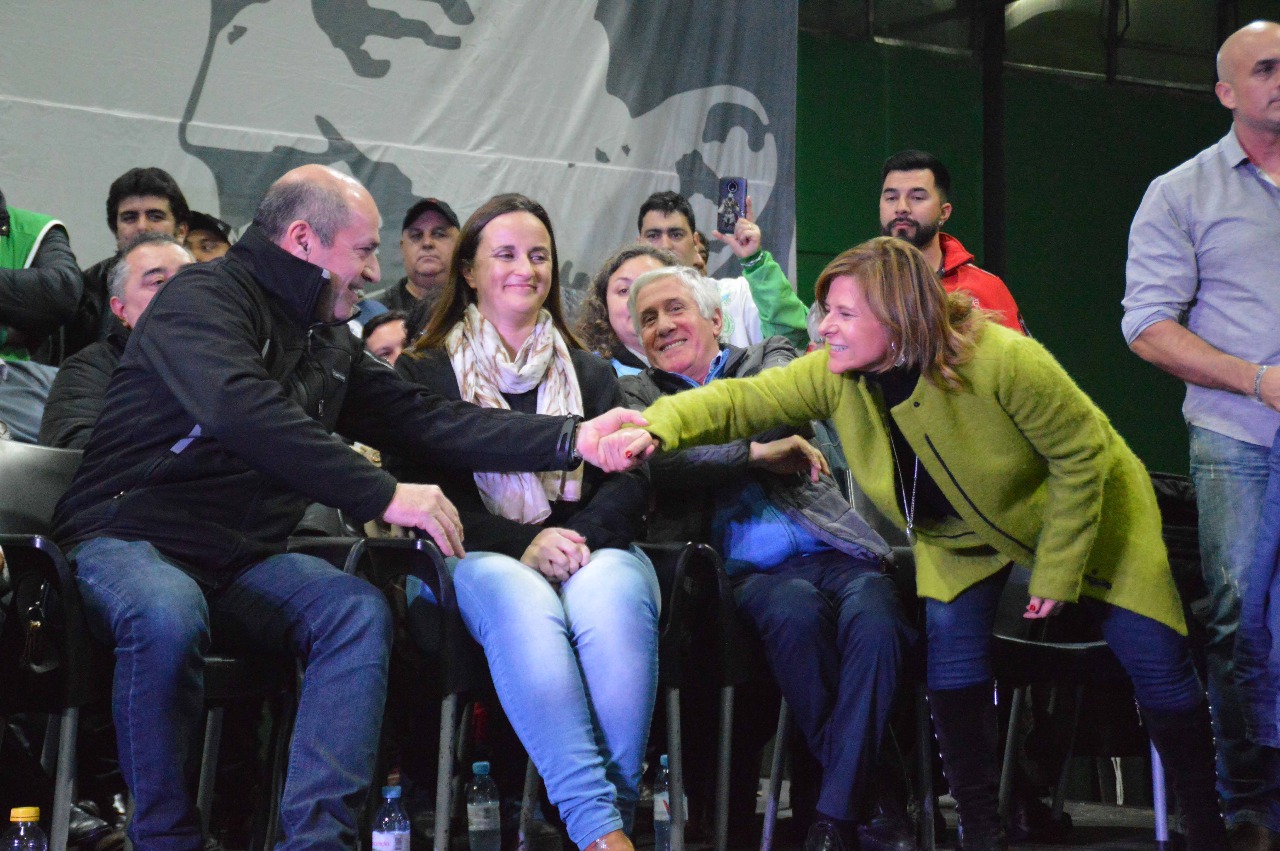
{"x": 615, "y": 442}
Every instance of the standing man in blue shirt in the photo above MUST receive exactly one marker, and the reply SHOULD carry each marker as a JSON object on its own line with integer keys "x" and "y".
{"x": 1202, "y": 304}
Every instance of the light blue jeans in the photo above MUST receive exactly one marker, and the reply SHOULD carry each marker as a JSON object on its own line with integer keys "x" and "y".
{"x": 1231, "y": 482}
{"x": 576, "y": 669}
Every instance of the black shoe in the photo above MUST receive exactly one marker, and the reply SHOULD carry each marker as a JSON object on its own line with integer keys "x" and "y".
{"x": 825, "y": 836}
{"x": 1031, "y": 820}
{"x": 887, "y": 831}
{"x": 89, "y": 833}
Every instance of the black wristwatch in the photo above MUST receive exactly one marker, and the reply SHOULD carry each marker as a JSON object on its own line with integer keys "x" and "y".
{"x": 567, "y": 446}
{"x": 575, "y": 456}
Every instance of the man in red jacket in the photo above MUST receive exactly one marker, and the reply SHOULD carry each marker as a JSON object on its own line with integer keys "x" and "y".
{"x": 914, "y": 206}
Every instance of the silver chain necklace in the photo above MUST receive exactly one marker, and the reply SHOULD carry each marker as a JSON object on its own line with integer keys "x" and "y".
{"x": 908, "y": 510}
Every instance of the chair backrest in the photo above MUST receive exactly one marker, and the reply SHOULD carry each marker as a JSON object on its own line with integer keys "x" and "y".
{"x": 65, "y": 673}
{"x": 32, "y": 480}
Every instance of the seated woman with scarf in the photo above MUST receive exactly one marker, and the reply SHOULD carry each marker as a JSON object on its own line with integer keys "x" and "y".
{"x": 564, "y": 606}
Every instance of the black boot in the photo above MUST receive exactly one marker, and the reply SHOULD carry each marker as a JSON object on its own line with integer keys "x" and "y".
{"x": 1185, "y": 742}
{"x": 965, "y": 722}
{"x": 885, "y": 826}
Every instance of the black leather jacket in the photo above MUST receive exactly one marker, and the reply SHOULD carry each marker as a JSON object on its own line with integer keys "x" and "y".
{"x": 218, "y": 426}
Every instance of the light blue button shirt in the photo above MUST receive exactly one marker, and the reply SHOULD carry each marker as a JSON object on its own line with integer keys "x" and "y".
{"x": 1204, "y": 250}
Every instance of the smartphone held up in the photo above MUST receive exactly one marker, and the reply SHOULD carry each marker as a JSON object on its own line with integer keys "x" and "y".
{"x": 732, "y": 205}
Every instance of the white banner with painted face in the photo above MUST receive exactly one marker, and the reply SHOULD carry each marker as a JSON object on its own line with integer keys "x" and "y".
{"x": 585, "y": 107}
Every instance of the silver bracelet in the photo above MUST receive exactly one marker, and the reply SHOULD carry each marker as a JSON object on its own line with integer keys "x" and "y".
{"x": 1257, "y": 381}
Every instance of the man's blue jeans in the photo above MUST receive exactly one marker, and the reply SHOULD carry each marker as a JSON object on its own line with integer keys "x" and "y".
{"x": 1231, "y": 481}
{"x": 834, "y": 634}
{"x": 159, "y": 620}
{"x": 576, "y": 669}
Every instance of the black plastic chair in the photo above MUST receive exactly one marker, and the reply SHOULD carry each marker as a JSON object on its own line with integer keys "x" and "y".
{"x": 692, "y": 583}
{"x": 695, "y": 586}
{"x": 67, "y": 671}
{"x": 461, "y": 663}
{"x": 72, "y": 670}
{"x": 1064, "y": 651}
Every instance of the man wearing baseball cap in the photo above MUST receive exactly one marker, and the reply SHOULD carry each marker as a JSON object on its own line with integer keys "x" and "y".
{"x": 427, "y": 238}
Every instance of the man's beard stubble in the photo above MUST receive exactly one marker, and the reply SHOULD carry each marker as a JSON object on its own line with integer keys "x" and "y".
{"x": 920, "y": 237}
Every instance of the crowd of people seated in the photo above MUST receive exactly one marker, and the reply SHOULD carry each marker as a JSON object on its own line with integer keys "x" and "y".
{"x": 216, "y": 385}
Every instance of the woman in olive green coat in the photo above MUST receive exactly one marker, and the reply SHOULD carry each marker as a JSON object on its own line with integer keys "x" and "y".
{"x": 976, "y": 441}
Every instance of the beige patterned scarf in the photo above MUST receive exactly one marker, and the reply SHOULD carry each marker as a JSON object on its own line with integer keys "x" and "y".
{"x": 485, "y": 372}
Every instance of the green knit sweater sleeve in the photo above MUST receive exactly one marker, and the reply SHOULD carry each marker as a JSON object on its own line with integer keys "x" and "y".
{"x": 1072, "y": 435}
{"x": 734, "y": 408}
{"x": 782, "y": 313}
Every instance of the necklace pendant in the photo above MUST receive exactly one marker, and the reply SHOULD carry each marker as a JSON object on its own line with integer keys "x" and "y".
{"x": 911, "y": 534}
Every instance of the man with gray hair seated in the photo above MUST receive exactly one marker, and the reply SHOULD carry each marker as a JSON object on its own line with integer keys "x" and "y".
{"x": 146, "y": 263}
{"x": 807, "y": 570}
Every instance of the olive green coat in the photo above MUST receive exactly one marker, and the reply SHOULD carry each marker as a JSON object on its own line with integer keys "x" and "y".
{"x": 1032, "y": 466}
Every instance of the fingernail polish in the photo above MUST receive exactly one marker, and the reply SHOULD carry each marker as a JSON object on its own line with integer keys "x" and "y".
{"x": 628, "y": 453}
{"x": 1031, "y": 607}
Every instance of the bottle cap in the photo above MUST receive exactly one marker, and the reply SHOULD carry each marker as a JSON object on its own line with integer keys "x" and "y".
{"x": 391, "y": 791}
{"x": 24, "y": 814}
{"x": 480, "y": 769}
{"x": 662, "y": 760}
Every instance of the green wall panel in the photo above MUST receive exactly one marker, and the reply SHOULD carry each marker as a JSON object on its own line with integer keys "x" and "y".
{"x": 858, "y": 103}
{"x": 1079, "y": 155}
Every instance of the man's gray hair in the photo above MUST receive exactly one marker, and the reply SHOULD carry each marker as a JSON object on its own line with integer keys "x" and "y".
{"x": 120, "y": 272}
{"x": 704, "y": 292}
{"x": 323, "y": 207}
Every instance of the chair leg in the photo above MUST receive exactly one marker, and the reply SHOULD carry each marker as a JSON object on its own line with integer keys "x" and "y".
{"x": 1010, "y": 749}
{"x": 1160, "y": 800}
{"x": 444, "y": 771}
{"x": 775, "y": 779}
{"x": 723, "y": 749}
{"x": 527, "y": 803}
{"x": 675, "y": 767}
{"x": 52, "y": 735}
{"x": 64, "y": 779}
{"x": 928, "y": 803}
{"x": 209, "y": 765}
{"x": 1060, "y": 791}
{"x": 282, "y": 712}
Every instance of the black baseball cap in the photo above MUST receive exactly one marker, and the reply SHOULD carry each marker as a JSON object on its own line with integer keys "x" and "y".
{"x": 206, "y": 222}
{"x": 425, "y": 204}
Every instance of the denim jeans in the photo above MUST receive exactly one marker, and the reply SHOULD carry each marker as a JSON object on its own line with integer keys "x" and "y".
{"x": 1156, "y": 658}
{"x": 834, "y": 635}
{"x": 576, "y": 668}
{"x": 1257, "y": 656}
{"x": 160, "y": 621}
{"x": 1231, "y": 480}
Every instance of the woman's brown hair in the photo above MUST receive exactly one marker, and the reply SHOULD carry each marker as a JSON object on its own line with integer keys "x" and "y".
{"x": 457, "y": 294}
{"x": 594, "y": 328}
{"x": 929, "y": 329}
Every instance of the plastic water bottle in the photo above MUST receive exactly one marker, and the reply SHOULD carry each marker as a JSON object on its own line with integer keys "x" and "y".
{"x": 484, "y": 824}
{"x": 24, "y": 833}
{"x": 391, "y": 827}
{"x": 662, "y": 807}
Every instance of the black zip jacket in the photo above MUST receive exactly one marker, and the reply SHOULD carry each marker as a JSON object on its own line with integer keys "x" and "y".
{"x": 218, "y": 426}
{"x": 79, "y": 391}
